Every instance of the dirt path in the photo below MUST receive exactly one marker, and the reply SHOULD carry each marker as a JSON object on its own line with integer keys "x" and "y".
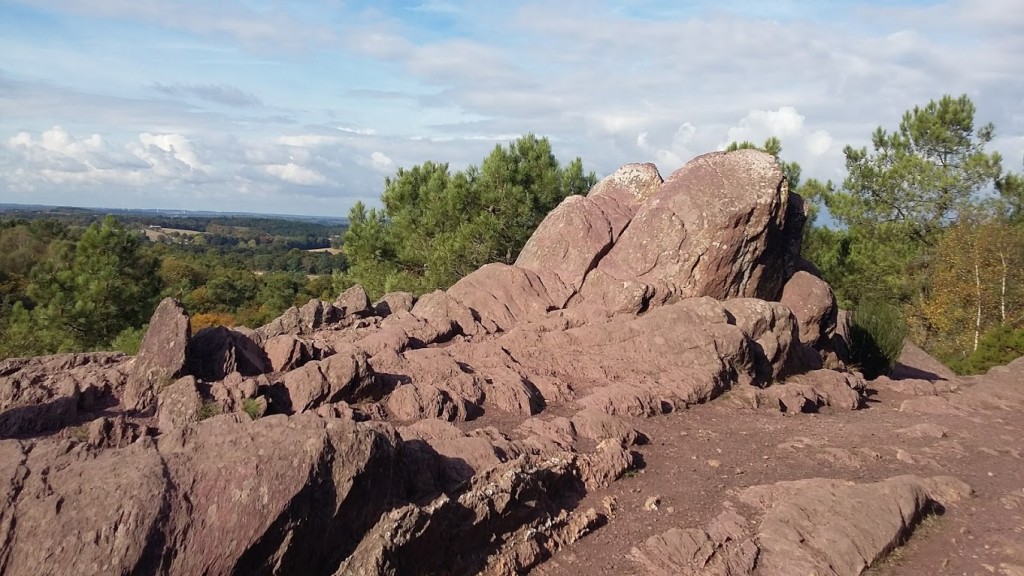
{"x": 697, "y": 458}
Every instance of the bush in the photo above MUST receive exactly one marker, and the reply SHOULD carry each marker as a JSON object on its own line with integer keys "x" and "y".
{"x": 997, "y": 347}
{"x": 252, "y": 407}
{"x": 208, "y": 409}
{"x": 129, "y": 340}
{"x": 208, "y": 319}
{"x": 876, "y": 337}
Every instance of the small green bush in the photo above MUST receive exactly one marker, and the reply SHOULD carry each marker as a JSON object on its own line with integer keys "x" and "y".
{"x": 997, "y": 347}
{"x": 252, "y": 407}
{"x": 208, "y": 410}
{"x": 876, "y": 337}
{"x": 129, "y": 340}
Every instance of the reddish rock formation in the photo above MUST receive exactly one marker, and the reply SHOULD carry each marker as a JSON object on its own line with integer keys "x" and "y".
{"x": 217, "y": 351}
{"x": 811, "y": 526}
{"x": 49, "y": 392}
{"x": 481, "y": 429}
{"x": 716, "y": 227}
{"x": 161, "y": 357}
{"x": 814, "y": 305}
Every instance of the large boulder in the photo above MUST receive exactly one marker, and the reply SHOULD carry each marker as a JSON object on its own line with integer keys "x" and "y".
{"x": 672, "y": 356}
{"x": 717, "y": 227}
{"x": 441, "y": 311}
{"x": 354, "y": 302}
{"x": 394, "y": 302}
{"x": 161, "y": 358}
{"x": 286, "y": 352}
{"x": 179, "y": 404}
{"x": 772, "y": 328}
{"x": 814, "y": 305}
{"x": 502, "y": 296}
{"x": 814, "y": 526}
{"x": 69, "y": 511}
{"x": 217, "y": 351}
{"x": 915, "y": 363}
{"x": 227, "y": 496}
{"x": 577, "y": 233}
{"x": 621, "y": 194}
{"x": 341, "y": 377}
{"x": 569, "y": 242}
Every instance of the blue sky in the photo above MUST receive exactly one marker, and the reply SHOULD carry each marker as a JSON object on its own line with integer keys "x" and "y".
{"x": 304, "y": 107}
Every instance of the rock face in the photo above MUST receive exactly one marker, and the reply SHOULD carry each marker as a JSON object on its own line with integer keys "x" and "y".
{"x": 814, "y": 305}
{"x": 716, "y": 227}
{"x": 353, "y": 302}
{"x": 179, "y": 404}
{"x": 217, "y": 351}
{"x": 394, "y": 302}
{"x": 161, "y": 357}
{"x": 805, "y": 527}
{"x": 503, "y": 296}
{"x": 49, "y": 392}
{"x": 288, "y": 496}
{"x": 581, "y": 230}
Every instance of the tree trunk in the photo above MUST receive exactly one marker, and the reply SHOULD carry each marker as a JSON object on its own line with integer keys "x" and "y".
{"x": 977, "y": 321}
{"x": 1002, "y": 293}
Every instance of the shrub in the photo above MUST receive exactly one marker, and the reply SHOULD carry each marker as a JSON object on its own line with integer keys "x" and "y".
{"x": 876, "y": 337}
{"x": 129, "y": 340}
{"x": 207, "y": 319}
{"x": 998, "y": 346}
{"x": 208, "y": 410}
{"x": 252, "y": 407}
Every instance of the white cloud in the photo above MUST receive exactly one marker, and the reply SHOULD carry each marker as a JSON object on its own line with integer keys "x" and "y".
{"x": 382, "y": 162}
{"x": 295, "y": 174}
{"x": 760, "y": 124}
{"x": 176, "y": 145}
{"x": 818, "y": 143}
{"x": 446, "y": 80}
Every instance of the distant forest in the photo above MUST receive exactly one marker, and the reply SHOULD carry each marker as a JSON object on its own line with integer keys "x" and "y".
{"x": 77, "y": 279}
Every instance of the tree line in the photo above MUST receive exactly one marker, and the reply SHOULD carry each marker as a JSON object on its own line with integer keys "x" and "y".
{"x": 929, "y": 223}
{"x": 925, "y": 230}
{"x": 66, "y": 286}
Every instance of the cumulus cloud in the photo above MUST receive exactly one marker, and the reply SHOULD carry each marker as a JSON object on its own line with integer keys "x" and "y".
{"x": 295, "y": 174}
{"x": 799, "y": 141}
{"x": 176, "y": 146}
{"x": 673, "y": 81}
{"x": 382, "y": 162}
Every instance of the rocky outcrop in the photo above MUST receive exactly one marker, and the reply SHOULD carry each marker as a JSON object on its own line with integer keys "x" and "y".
{"x": 773, "y": 333}
{"x": 286, "y": 352}
{"x": 812, "y": 526}
{"x": 353, "y": 302}
{"x": 345, "y": 376}
{"x": 277, "y": 495}
{"x": 161, "y": 357}
{"x": 716, "y": 227}
{"x": 503, "y": 296}
{"x": 217, "y": 351}
{"x": 580, "y": 231}
{"x": 467, "y": 431}
{"x": 394, "y": 302}
{"x": 179, "y": 404}
{"x": 50, "y": 392}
